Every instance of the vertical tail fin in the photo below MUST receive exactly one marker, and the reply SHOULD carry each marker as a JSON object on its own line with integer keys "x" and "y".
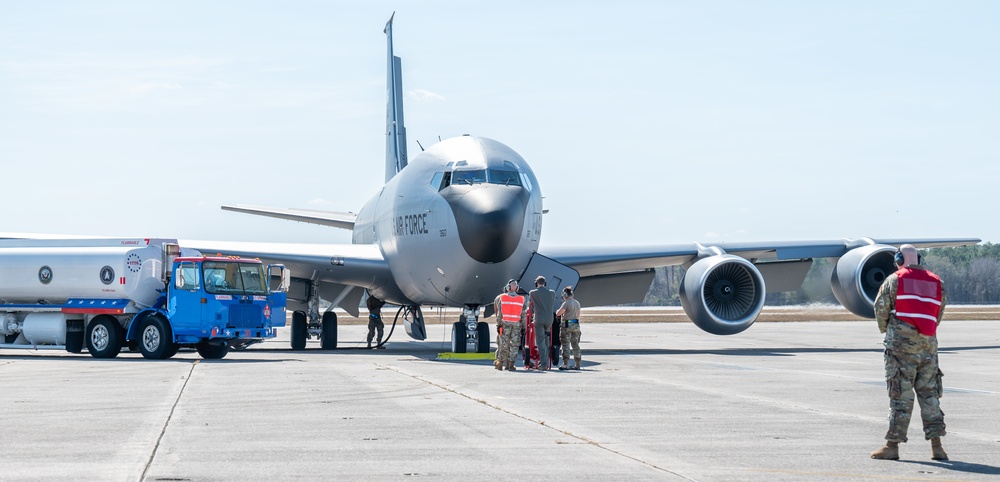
{"x": 395, "y": 131}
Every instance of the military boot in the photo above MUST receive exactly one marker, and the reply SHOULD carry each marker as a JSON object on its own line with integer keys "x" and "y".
{"x": 498, "y": 364}
{"x": 889, "y": 452}
{"x": 510, "y": 366}
{"x": 578, "y": 361}
{"x": 937, "y": 452}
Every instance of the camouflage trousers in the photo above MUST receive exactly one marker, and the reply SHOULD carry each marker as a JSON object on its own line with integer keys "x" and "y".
{"x": 375, "y": 324}
{"x": 570, "y": 335}
{"x": 509, "y": 342}
{"x": 911, "y": 366}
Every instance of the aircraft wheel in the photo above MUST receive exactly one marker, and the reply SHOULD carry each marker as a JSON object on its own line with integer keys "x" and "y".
{"x": 155, "y": 339}
{"x": 328, "y": 341}
{"x": 458, "y": 338}
{"x": 299, "y": 330}
{"x": 212, "y": 351}
{"x": 482, "y": 337}
{"x": 104, "y": 338}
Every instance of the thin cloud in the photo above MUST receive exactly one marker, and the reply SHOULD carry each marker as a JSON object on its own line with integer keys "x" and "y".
{"x": 426, "y": 96}
{"x": 154, "y": 86}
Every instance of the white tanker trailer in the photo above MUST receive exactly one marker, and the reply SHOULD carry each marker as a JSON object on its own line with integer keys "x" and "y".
{"x": 147, "y": 294}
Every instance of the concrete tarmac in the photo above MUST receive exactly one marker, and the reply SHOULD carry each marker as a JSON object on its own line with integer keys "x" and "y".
{"x": 660, "y": 401}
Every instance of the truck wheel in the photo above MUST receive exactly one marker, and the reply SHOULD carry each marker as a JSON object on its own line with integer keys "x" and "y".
{"x": 299, "y": 330}
{"x": 212, "y": 351}
{"x": 155, "y": 341}
{"x": 328, "y": 341}
{"x": 104, "y": 337}
{"x": 482, "y": 337}
{"x": 458, "y": 337}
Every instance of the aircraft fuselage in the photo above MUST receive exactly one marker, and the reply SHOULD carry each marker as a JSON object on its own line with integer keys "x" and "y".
{"x": 461, "y": 219}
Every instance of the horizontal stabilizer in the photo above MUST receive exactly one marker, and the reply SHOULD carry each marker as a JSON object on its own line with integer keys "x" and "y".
{"x": 325, "y": 218}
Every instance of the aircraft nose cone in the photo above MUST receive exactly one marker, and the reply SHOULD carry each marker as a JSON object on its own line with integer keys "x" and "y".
{"x": 490, "y": 220}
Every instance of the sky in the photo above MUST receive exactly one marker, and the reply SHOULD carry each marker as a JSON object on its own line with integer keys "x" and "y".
{"x": 645, "y": 122}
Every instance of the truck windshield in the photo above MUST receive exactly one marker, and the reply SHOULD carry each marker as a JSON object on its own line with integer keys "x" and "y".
{"x": 224, "y": 277}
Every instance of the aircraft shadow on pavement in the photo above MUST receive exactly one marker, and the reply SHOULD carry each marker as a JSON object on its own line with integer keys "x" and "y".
{"x": 762, "y": 351}
{"x": 959, "y": 466}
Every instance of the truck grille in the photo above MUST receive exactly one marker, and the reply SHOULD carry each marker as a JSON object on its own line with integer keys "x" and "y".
{"x": 245, "y": 316}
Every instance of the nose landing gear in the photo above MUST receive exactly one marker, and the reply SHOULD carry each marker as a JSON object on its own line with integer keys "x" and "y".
{"x": 469, "y": 331}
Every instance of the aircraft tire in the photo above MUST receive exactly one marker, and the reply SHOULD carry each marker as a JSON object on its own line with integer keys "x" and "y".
{"x": 172, "y": 350}
{"x": 458, "y": 338}
{"x": 212, "y": 351}
{"x": 482, "y": 337}
{"x": 103, "y": 337}
{"x": 299, "y": 331}
{"x": 328, "y": 341}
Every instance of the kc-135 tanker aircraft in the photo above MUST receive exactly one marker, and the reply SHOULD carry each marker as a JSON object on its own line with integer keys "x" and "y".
{"x": 452, "y": 225}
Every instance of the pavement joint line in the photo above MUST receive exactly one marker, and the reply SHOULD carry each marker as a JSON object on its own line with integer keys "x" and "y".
{"x": 166, "y": 422}
{"x": 541, "y": 423}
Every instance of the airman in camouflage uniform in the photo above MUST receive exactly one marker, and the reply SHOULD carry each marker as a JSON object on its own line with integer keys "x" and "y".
{"x": 911, "y": 365}
{"x": 569, "y": 312}
{"x": 501, "y": 354}
{"x": 510, "y": 338}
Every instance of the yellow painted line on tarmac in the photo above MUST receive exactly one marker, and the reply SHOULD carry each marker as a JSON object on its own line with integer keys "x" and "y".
{"x": 466, "y": 356}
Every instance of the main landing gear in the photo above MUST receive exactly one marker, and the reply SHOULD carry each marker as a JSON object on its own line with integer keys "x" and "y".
{"x": 469, "y": 331}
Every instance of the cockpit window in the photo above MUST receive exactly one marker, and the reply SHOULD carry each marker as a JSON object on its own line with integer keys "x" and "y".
{"x": 468, "y": 177}
{"x": 505, "y": 177}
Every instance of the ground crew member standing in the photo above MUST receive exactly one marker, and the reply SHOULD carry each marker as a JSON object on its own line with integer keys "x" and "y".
{"x": 375, "y": 321}
{"x": 501, "y": 355}
{"x": 908, "y": 308}
{"x": 542, "y": 302}
{"x": 512, "y": 313}
{"x": 569, "y": 312}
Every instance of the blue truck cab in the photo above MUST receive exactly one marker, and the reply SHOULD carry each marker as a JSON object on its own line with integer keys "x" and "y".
{"x": 213, "y": 304}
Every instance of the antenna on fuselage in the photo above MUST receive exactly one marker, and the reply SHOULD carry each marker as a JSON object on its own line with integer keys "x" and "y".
{"x": 395, "y": 131}
{"x": 421, "y": 146}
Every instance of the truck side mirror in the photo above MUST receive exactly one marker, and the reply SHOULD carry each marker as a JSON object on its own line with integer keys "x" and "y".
{"x": 283, "y": 275}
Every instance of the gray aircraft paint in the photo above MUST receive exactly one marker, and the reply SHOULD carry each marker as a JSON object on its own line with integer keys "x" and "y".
{"x": 415, "y": 244}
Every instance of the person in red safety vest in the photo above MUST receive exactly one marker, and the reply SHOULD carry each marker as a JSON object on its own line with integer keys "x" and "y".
{"x": 511, "y": 319}
{"x": 908, "y": 308}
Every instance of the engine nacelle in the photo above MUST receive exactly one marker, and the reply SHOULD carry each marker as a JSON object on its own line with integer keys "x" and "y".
{"x": 858, "y": 276}
{"x": 722, "y": 294}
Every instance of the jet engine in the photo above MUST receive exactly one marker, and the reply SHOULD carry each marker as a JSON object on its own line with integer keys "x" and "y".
{"x": 859, "y": 274}
{"x": 722, "y": 294}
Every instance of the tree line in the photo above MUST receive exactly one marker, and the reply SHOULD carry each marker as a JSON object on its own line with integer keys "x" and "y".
{"x": 971, "y": 275}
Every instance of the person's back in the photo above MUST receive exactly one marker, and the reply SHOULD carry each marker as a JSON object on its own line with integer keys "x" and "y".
{"x": 542, "y": 302}
{"x": 908, "y": 308}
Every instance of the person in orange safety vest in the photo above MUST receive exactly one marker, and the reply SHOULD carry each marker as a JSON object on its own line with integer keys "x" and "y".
{"x": 511, "y": 314}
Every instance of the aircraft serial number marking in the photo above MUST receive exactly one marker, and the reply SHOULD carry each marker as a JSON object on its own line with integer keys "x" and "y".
{"x": 410, "y": 224}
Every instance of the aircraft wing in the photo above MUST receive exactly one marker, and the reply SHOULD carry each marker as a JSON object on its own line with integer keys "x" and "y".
{"x": 341, "y": 271}
{"x": 592, "y": 261}
{"x": 615, "y": 275}
{"x": 325, "y": 218}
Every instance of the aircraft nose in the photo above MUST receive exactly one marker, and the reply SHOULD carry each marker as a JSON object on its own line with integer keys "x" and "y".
{"x": 490, "y": 220}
